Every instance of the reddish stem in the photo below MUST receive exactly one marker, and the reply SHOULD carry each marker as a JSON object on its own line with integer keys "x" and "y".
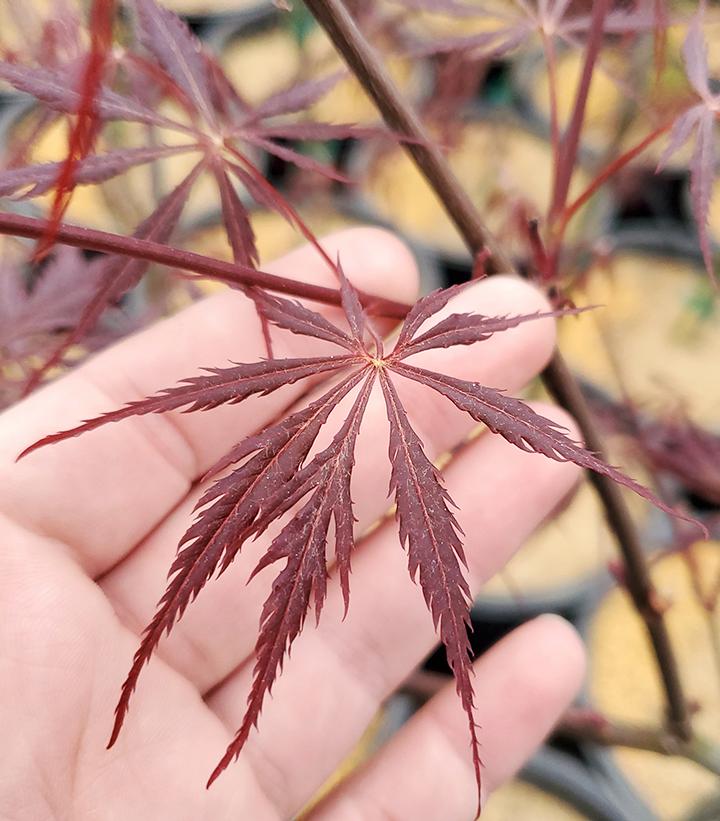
{"x": 230, "y": 273}
{"x": 571, "y": 139}
{"x": 87, "y": 125}
{"x": 604, "y": 175}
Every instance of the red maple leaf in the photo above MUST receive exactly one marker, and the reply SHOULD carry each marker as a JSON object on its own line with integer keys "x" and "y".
{"x": 274, "y": 473}
{"x": 698, "y": 119}
{"x": 220, "y": 126}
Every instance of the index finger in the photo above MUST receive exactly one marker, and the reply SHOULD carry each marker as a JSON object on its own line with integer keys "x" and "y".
{"x": 102, "y": 493}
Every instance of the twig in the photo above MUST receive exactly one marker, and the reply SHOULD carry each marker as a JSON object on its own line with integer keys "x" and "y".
{"x": 368, "y": 68}
{"x": 586, "y": 724}
{"x": 583, "y": 724}
{"x": 571, "y": 139}
{"x": 230, "y": 273}
{"x": 604, "y": 175}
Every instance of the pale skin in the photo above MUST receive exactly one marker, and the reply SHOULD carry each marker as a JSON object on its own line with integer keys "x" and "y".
{"x": 88, "y": 529}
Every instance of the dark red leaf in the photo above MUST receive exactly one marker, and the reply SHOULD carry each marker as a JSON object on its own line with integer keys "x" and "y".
{"x": 523, "y": 427}
{"x": 423, "y": 309}
{"x": 242, "y": 239}
{"x": 237, "y": 223}
{"x": 522, "y": 21}
{"x": 298, "y": 97}
{"x": 430, "y": 534}
{"x": 53, "y": 302}
{"x": 274, "y": 474}
{"x": 687, "y": 452}
{"x": 467, "y": 329}
{"x": 695, "y": 57}
{"x": 231, "y": 510}
{"x": 699, "y": 118}
{"x": 295, "y": 317}
{"x": 304, "y": 161}
{"x": 120, "y": 274}
{"x": 354, "y": 311}
{"x": 227, "y": 100}
{"x": 702, "y": 174}
{"x": 220, "y": 386}
{"x": 178, "y": 51}
{"x": 34, "y": 180}
{"x": 303, "y": 543}
{"x": 53, "y": 89}
{"x": 323, "y": 131}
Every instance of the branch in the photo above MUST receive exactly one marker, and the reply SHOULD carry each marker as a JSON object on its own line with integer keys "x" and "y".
{"x": 583, "y": 724}
{"x": 402, "y": 120}
{"x": 230, "y": 273}
{"x": 367, "y": 67}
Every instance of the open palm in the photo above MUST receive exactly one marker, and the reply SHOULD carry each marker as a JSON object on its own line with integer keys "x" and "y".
{"x": 88, "y": 529}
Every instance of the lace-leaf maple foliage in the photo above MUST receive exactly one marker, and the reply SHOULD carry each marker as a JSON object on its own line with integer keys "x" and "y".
{"x": 274, "y": 473}
{"x": 164, "y": 79}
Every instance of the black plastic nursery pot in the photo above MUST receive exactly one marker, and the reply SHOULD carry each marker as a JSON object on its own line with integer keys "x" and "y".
{"x": 582, "y": 792}
{"x": 622, "y": 683}
{"x": 202, "y": 14}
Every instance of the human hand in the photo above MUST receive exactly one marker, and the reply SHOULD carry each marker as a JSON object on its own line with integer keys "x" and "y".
{"x": 89, "y": 527}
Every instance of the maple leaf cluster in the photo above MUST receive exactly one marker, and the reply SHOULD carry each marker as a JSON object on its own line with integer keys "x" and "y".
{"x": 273, "y": 473}
{"x": 216, "y": 126}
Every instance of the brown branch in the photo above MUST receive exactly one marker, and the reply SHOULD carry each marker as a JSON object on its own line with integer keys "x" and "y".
{"x": 368, "y": 68}
{"x": 228, "y": 272}
{"x": 581, "y": 724}
{"x": 404, "y": 121}
{"x": 586, "y": 724}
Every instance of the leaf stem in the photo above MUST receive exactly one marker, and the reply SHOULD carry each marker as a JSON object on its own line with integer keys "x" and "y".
{"x": 604, "y": 175}
{"x": 571, "y": 139}
{"x": 230, "y": 273}
{"x": 368, "y": 68}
